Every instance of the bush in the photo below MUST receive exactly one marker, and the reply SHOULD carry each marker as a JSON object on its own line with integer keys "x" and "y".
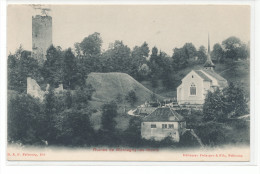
{"x": 24, "y": 122}
{"x": 131, "y": 97}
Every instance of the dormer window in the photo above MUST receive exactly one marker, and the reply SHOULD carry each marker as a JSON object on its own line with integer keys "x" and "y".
{"x": 192, "y": 89}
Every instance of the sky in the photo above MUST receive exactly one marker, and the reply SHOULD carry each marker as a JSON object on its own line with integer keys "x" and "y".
{"x": 163, "y": 26}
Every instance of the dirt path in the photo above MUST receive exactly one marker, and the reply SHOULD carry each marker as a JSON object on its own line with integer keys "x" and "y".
{"x": 197, "y": 138}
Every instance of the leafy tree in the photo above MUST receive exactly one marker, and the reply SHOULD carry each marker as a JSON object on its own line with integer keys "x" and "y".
{"x": 234, "y": 98}
{"x": 91, "y": 45}
{"x": 190, "y": 50}
{"x": 230, "y": 102}
{"x": 74, "y": 128}
{"x": 139, "y": 58}
{"x": 218, "y": 53}
{"x": 202, "y": 55}
{"x": 70, "y": 70}
{"x": 82, "y": 96}
{"x": 234, "y": 48}
{"x": 109, "y": 112}
{"x": 131, "y": 97}
{"x": 25, "y": 115}
{"x": 132, "y": 135}
{"x": 53, "y": 67}
{"x": 180, "y": 59}
{"x": 214, "y": 106}
{"x": 118, "y": 58}
{"x": 51, "y": 110}
{"x": 20, "y": 66}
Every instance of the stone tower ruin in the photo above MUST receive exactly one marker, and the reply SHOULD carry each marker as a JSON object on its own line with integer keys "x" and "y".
{"x": 41, "y": 36}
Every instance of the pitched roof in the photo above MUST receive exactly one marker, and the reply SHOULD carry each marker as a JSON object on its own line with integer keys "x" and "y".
{"x": 163, "y": 115}
{"x": 221, "y": 81}
{"x": 209, "y": 63}
{"x": 202, "y": 75}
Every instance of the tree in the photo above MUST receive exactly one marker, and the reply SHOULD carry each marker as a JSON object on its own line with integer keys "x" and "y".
{"x": 24, "y": 121}
{"x": 234, "y": 48}
{"x": 91, "y": 45}
{"x": 228, "y": 103}
{"x": 190, "y": 50}
{"x": 155, "y": 63}
{"x": 118, "y": 58}
{"x": 139, "y": 58}
{"x": 236, "y": 101}
{"x": 218, "y": 53}
{"x": 74, "y": 128}
{"x": 53, "y": 67}
{"x": 70, "y": 70}
{"x": 82, "y": 96}
{"x": 180, "y": 59}
{"x": 20, "y": 66}
{"x": 131, "y": 97}
{"x": 202, "y": 55}
{"x": 109, "y": 112}
{"x": 214, "y": 106}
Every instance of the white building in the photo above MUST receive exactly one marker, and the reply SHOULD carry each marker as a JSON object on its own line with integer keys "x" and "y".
{"x": 196, "y": 84}
{"x": 162, "y": 123}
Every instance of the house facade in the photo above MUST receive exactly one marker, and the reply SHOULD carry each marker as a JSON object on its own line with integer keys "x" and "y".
{"x": 196, "y": 84}
{"x": 162, "y": 123}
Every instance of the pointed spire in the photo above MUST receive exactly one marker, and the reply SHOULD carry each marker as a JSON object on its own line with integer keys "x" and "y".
{"x": 208, "y": 44}
{"x": 209, "y": 64}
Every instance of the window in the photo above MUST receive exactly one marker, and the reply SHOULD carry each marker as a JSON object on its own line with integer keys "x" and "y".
{"x": 164, "y": 126}
{"x": 153, "y": 125}
{"x": 192, "y": 89}
{"x": 171, "y": 126}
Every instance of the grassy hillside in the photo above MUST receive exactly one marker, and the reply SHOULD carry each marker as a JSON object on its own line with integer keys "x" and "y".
{"x": 238, "y": 72}
{"x": 108, "y": 86}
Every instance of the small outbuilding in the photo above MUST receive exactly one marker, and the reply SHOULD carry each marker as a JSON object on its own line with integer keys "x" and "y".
{"x": 161, "y": 123}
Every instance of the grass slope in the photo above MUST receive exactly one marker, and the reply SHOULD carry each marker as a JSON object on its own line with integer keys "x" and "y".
{"x": 108, "y": 86}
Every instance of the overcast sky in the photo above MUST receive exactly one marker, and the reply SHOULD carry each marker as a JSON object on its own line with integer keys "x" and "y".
{"x": 164, "y": 26}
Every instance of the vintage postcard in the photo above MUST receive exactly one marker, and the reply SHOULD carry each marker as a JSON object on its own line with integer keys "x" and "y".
{"x": 128, "y": 83}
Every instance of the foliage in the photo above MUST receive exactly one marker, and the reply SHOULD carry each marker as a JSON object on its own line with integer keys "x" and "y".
{"x": 52, "y": 70}
{"x": 20, "y": 66}
{"x": 109, "y": 112}
{"x": 234, "y": 49}
{"x": 82, "y": 96}
{"x": 212, "y": 134}
{"x": 218, "y": 53}
{"x": 202, "y": 55}
{"x": 118, "y": 58}
{"x": 230, "y": 102}
{"x": 24, "y": 123}
{"x": 91, "y": 45}
{"x": 131, "y": 97}
{"x": 70, "y": 70}
{"x": 182, "y": 56}
{"x": 74, "y": 128}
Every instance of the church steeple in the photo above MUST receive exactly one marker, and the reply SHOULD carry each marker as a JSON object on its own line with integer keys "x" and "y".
{"x": 209, "y": 64}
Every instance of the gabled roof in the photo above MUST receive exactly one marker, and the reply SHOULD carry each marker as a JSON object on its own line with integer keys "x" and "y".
{"x": 203, "y": 76}
{"x": 221, "y": 81}
{"x": 163, "y": 115}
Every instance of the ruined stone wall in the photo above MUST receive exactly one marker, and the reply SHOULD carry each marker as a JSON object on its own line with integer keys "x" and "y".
{"x": 35, "y": 91}
{"x": 41, "y": 36}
